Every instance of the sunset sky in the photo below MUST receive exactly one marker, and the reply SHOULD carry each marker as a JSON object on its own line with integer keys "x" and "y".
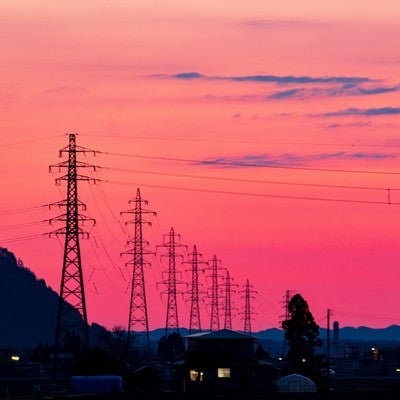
{"x": 242, "y": 123}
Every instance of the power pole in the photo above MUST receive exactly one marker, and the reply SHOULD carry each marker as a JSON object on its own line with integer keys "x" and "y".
{"x": 286, "y": 316}
{"x": 328, "y": 342}
{"x": 72, "y": 315}
{"x": 248, "y": 310}
{"x": 138, "y": 318}
{"x": 195, "y": 320}
{"x": 227, "y": 308}
{"x": 287, "y": 300}
{"x": 171, "y": 242}
{"x": 214, "y": 295}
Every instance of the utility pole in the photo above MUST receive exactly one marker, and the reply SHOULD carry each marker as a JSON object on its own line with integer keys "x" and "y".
{"x": 287, "y": 299}
{"x": 328, "y": 342}
{"x": 248, "y": 309}
{"x": 72, "y": 315}
{"x": 228, "y": 303}
{"x": 286, "y": 316}
{"x": 171, "y": 241}
{"x": 195, "y": 320}
{"x": 214, "y": 295}
{"x": 138, "y": 318}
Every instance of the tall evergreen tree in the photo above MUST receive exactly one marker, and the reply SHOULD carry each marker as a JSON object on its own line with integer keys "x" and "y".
{"x": 301, "y": 332}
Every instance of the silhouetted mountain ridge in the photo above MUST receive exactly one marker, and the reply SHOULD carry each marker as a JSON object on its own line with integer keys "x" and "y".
{"x": 28, "y": 306}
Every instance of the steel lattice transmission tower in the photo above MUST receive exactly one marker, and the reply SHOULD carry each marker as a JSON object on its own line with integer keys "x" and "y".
{"x": 194, "y": 261}
{"x": 138, "y": 316}
{"x": 72, "y": 292}
{"x": 227, "y": 307}
{"x": 171, "y": 241}
{"x": 248, "y": 309}
{"x": 214, "y": 293}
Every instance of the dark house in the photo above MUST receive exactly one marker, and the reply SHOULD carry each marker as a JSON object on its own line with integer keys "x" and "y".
{"x": 224, "y": 361}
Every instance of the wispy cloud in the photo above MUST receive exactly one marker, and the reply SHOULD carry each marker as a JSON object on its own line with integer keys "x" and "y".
{"x": 368, "y": 112}
{"x": 283, "y": 23}
{"x": 187, "y": 75}
{"x": 64, "y": 89}
{"x": 278, "y": 79}
{"x": 343, "y": 90}
{"x": 290, "y": 159}
{"x": 349, "y": 125}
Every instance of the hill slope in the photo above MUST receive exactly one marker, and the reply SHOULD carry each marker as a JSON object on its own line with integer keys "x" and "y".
{"x": 28, "y": 308}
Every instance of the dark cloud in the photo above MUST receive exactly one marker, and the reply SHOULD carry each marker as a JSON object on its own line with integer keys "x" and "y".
{"x": 368, "y": 112}
{"x": 289, "y": 159}
{"x": 296, "y": 79}
{"x": 373, "y": 155}
{"x": 376, "y": 90}
{"x": 286, "y": 79}
{"x": 287, "y": 94}
{"x": 188, "y": 75}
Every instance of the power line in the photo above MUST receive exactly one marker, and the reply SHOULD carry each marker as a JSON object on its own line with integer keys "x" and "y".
{"x": 185, "y": 139}
{"x": 208, "y": 177}
{"x": 326, "y": 199}
{"x": 22, "y": 238}
{"x": 23, "y": 210}
{"x": 241, "y": 164}
{"x": 23, "y": 225}
{"x": 103, "y": 269}
{"x": 355, "y": 314}
{"x": 30, "y": 140}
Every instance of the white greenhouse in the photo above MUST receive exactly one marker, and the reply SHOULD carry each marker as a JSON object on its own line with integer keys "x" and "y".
{"x": 295, "y": 383}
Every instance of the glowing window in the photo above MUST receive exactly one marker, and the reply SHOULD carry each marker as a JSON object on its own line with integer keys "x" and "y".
{"x": 224, "y": 372}
{"x": 193, "y": 375}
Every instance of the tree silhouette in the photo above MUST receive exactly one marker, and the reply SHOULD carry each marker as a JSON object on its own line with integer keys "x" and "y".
{"x": 171, "y": 347}
{"x": 301, "y": 332}
{"x": 261, "y": 354}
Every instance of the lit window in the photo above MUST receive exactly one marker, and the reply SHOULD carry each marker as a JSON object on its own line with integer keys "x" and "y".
{"x": 201, "y": 376}
{"x": 193, "y": 375}
{"x": 224, "y": 372}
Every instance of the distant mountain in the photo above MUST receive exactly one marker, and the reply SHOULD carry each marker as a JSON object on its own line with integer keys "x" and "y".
{"x": 391, "y": 333}
{"x": 362, "y": 333}
{"x": 270, "y": 334}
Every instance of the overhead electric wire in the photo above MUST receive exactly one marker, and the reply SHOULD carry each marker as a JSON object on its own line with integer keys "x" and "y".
{"x": 116, "y": 239}
{"x": 255, "y": 165}
{"x": 277, "y": 196}
{"x": 365, "y": 315}
{"x": 22, "y": 238}
{"x": 23, "y": 210}
{"x": 30, "y": 140}
{"x": 23, "y": 225}
{"x": 103, "y": 269}
{"x": 186, "y": 139}
{"x": 220, "y": 178}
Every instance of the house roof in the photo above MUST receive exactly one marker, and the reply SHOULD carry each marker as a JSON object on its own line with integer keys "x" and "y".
{"x": 224, "y": 334}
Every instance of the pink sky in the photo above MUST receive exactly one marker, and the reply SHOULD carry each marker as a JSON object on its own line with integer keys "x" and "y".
{"x": 295, "y": 83}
